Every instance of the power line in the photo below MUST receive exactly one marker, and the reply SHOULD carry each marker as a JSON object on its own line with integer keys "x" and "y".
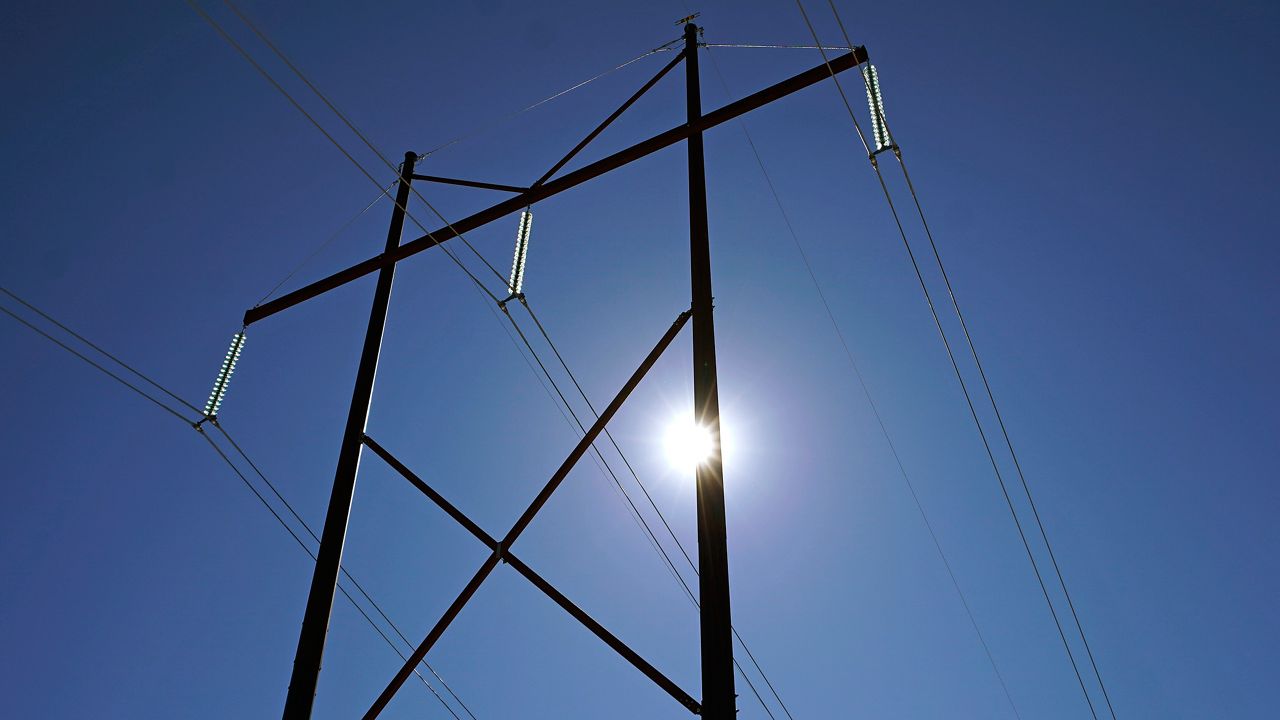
{"x": 307, "y": 549}
{"x": 512, "y": 115}
{"x": 581, "y": 428}
{"x": 298, "y": 106}
{"x": 964, "y": 326}
{"x": 104, "y": 370}
{"x": 198, "y": 427}
{"x": 644, "y": 524}
{"x": 862, "y": 383}
{"x": 351, "y": 578}
{"x": 352, "y": 127}
{"x": 959, "y": 376}
{"x": 320, "y": 248}
{"x": 86, "y": 341}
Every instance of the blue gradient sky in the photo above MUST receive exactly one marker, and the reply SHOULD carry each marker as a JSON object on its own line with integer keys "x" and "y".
{"x": 1101, "y": 180}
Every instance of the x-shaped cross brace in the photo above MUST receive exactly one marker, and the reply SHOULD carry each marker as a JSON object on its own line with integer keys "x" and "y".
{"x": 501, "y": 549}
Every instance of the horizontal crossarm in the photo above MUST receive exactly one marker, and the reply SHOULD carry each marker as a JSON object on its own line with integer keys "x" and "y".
{"x": 559, "y": 185}
{"x": 525, "y": 518}
{"x": 538, "y": 581}
{"x": 471, "y": 183}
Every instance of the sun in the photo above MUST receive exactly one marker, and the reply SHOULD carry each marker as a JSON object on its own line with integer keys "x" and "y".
{"x": 687, "y": 443}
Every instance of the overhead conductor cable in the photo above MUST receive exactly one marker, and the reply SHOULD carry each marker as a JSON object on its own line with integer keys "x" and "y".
{"x": 224, "y": 375}
{"x": 516, "y": 283}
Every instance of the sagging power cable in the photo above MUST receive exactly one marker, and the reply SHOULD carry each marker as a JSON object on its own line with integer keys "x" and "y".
{"x": 982, "y": 374}
{"x": 959, "y": 376}
{"x": 346, "y": 120}
{"x": 646, "y": 528}
{"x": 515, "y": 284}
{"x": 197, "y": 425}
{"x": 644, "y": 525}
{"x": 866, "y": 391}
{"x": 665, "y": 47}
{"x": 195, "y": 5}
{"x": 386, "y": 191}
{"x": 99, "y": 349}
{"x": 350, "y": 578}
{"x": 310, "y": 553}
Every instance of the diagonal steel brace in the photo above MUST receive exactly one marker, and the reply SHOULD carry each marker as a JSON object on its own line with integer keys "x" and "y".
{"x": 525, "y": 518}
{"x": 546, "y": 587}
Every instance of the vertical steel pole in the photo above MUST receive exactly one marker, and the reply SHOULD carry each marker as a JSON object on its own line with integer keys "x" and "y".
{"x": 718, "y": 698}
{"x": 315, "y": 623}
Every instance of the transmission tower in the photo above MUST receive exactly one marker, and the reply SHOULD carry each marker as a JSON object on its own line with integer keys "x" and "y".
{"x": 718, "y": 697}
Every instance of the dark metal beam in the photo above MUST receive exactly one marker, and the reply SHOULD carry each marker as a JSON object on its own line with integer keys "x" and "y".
{"x": 559, "y": 185}
{"x": 718, "y": 697}
{"x": 609, "y": 120}
{"x": 538, "y": 581}
{"x": 471, "y": 183}
{"x": 525, "y": 518}
{"x": 324, "y": 580}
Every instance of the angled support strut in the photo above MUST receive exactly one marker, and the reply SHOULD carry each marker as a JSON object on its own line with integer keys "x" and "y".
{"x": 609, "y": 120}
{"x": 471, "y": 183}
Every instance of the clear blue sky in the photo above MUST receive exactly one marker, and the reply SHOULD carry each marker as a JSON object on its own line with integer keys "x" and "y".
{"x": 1101, "y": 179}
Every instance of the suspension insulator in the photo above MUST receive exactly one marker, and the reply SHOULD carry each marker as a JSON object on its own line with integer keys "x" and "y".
{"x": 875, "y": 103}
{"x": 224, "y": 375}
{"x": 516, "y": 283}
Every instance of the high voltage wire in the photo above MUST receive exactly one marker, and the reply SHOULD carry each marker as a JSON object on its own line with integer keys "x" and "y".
{"x": 964, "y": 326}
{"x": 86, "y": 341}
{"x": 875, "y": 410}
{"x": 363, "y": 138}
{"x": 197, "y": 425}
{"x": 512, "y": 115}
{"x": 524, "y": 301}
{"x": 307, "y": 549}
{"x": 645, "y": 525}
{"x": 349, "y": 576}
{"x": 97, "y": 365}
{"x": 298, "y": 106}
{"x": 520, "y": 349}
{"x": 964, "y": 389}
{"x": 581, "y": 429}
{"x": 334, "y": 236}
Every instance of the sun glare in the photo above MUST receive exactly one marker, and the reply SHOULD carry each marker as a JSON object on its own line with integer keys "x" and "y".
{"x": 688, "y": 444}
